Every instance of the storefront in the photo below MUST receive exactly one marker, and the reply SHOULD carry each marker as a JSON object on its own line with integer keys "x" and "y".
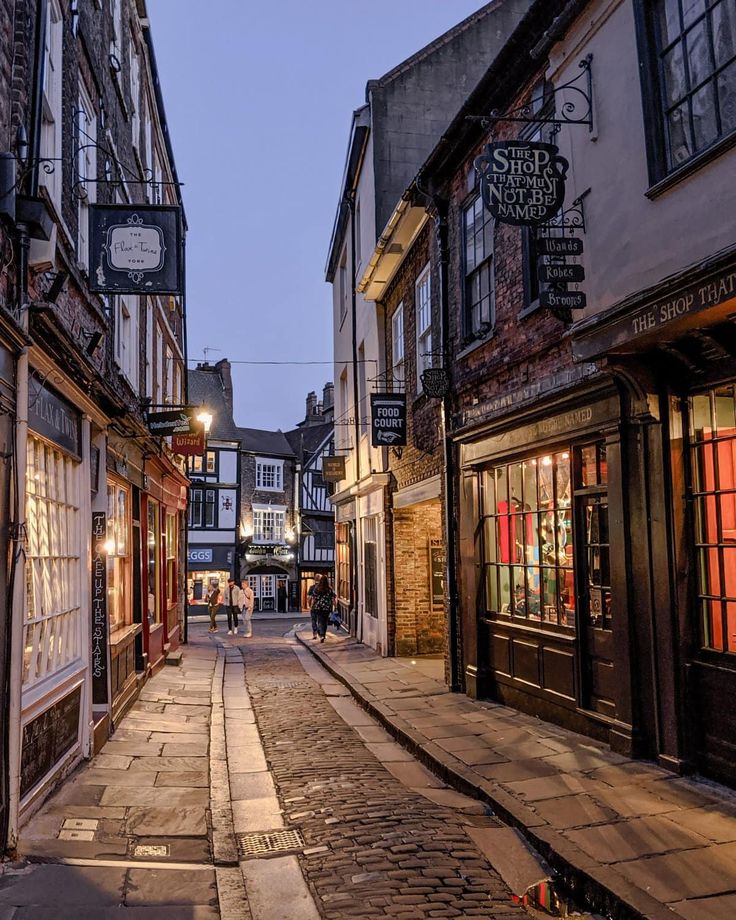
{"x": 344, "y": 572}
{"x": 270, "y": 569}
{"x": 7, "y": 420}
{"x": 673, "y": 351}
{"x": 55, "y": 696}
{"x": 163, "y": 507}
{"x": 208, "y": 567}
{"x": 270, "y": 587}
{"x": 541, "y": 502}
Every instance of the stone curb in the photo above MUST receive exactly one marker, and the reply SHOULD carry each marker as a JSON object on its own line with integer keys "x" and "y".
{"x": 602, "y": 887}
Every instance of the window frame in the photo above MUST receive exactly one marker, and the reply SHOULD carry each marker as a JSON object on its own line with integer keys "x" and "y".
{"x": 87, "y": 167}
{"x": 398, "y": 348}
{"x": 661, "y": 174}
{"x": 487, "y": 263}
{"x": 119, "y": 555}
{"x": 276, "y": 526}
{"x": 52, "y": 104}
{"x": 423, "y": 338}
{"x": 277, "y": 467}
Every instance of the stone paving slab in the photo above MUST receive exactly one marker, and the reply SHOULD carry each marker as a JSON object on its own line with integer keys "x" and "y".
{"x": 633, "y": 834}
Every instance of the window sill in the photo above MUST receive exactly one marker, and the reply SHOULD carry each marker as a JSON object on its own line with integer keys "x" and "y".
{"x": 693, "y": 165}
{"x": 476, "y": 343}
{"x": 122, "y": 635}
{"x": 534, "y": 307}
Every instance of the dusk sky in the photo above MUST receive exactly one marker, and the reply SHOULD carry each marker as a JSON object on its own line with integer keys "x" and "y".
{"x": 259, "y": 97}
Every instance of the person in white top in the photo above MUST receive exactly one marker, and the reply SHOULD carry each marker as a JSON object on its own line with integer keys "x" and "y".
{"x": 231, "y": 603}
{"x": 247, "y": 600}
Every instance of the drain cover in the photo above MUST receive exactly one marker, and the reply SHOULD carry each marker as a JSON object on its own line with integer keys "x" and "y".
{"x": 147, "y": 850}
{"x": 257, "y": 845}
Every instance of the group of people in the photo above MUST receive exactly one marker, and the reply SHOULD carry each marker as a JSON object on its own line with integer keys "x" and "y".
{"x": 238, "y": 604}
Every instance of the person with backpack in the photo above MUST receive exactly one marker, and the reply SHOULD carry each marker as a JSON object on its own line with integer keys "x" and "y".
{"x": 323, "y": 601}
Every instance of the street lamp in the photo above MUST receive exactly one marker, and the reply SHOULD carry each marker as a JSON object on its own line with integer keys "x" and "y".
{"x": 205, "y": 418}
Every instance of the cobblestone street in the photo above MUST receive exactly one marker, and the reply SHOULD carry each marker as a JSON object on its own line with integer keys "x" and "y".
{"x": 283, "y": 748}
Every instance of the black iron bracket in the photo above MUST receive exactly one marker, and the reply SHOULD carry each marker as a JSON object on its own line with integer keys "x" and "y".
{"x": 576, "y": 105}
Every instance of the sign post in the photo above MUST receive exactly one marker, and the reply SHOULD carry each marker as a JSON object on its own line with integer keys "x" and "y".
{"x": 100, "y": 660}
{"x": 388, "y": 419}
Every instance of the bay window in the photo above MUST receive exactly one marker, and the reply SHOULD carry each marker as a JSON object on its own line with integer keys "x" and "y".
{"x": 52, "y": 627}
{"x": 268, "y": 525}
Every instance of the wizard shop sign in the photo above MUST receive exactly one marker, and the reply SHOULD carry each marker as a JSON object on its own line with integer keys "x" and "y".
{"x": 522, "y": 182}
{"x": 135, "y": 249}
{"x": 388, "y": 419}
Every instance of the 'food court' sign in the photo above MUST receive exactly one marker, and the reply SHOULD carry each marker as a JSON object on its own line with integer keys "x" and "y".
{"x": 388, "y": 419}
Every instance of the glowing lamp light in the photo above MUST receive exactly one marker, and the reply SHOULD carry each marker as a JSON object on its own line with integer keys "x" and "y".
{"x": 206, "y": 419}
{"x": 546, "y": 461}
{"x": 109, "y": 547}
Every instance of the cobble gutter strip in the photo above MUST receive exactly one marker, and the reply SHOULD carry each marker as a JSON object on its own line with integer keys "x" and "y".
{"x": 602, "y": 888}
{"x": 230, "y": 884}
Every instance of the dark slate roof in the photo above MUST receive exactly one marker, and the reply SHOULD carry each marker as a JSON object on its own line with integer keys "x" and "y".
{"x": 307, "y": 439}
{"x": 266, "y": 443}
{"x": 206, "y": 387}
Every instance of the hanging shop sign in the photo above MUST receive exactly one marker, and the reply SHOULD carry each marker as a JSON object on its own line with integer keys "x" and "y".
{"x": 51, "y": 416}
{"x": 173, "y": 421}
{"x": 135, "y": 249}
{"x": 388, "y": 419}
{"x": 561, "y": 273}
{"x": 559, "y": 246}
{"x": 563, "y": 300}
{"x": 522, "y": 182}
{"x": 333, "y": 469}
{"x": 270, "y": 549}
{"x": 100, "y": 670}
{"x": 435, "y": 382}
{"x": 190, "y": 444}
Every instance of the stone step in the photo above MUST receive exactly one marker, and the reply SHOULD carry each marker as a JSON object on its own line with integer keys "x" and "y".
{"x": 174, "y": 658}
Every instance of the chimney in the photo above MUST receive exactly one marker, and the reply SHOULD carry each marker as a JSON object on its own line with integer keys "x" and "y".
{"x": 328, "y": 397}
{"x": 311, "y": 404}
{"x": 223, "y": 369}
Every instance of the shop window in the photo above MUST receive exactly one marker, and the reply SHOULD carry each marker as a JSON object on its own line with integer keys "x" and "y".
{"x": 172, "y": 543}
{"x": 87, "y": 167}
{"x": 269, "y": 475}
{"x": 268, "y": 525}
{"x": 370, "y": 566}
{"x": 692, "y": 44}
{"x": 118, "y": 556}
{"x": 51, "y": 631}
{"x": 536, "y": 510}
{"x": 153, "y": 544}
{"x": 713, "y": 493}
{"x": 479, "y": 271}
{"x": 423, "y": 296}
{"x": 342, "y": 562}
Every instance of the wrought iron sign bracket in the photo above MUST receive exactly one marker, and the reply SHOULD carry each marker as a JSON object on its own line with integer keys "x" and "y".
{"x": 569, "y": 219}
{"x": 576, "y": 107}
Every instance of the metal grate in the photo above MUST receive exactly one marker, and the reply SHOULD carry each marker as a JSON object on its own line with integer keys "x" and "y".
{"x": 255, "y": 846}
{"x": 147, "y": 850}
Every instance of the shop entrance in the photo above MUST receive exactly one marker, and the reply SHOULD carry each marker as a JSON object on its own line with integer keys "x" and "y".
{"x": 270, "y": 586}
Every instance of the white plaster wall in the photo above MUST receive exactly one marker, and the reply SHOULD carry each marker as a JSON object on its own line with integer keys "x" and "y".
{"x": 632, "y": 242}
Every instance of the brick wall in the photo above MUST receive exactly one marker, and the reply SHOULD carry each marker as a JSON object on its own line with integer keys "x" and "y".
{"x": 419, "y": 627}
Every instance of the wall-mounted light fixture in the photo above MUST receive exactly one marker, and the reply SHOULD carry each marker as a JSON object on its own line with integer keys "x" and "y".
{"x": 57, "y": 286}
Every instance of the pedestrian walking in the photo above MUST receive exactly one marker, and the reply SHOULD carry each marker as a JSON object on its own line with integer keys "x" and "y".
{"x": 323, "y": 600}
{"x": 231, "y": 600}
{"x": 247, "y": 601}
{"x": 213, "y": 607}
{"x": 310, "y": 602}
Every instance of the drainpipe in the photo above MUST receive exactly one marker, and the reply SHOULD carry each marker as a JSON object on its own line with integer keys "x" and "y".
{"x": 14, "y": 649}
{"x": 456, "y": 662}
{"x": 350, "y": 201}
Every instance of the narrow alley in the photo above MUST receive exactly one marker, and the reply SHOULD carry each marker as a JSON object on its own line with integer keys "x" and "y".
{"x": 246, "y": 783}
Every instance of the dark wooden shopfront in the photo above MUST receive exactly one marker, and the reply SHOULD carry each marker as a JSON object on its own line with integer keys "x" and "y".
{"x": 674, "y": 352}
{"x": 545, "y": 565}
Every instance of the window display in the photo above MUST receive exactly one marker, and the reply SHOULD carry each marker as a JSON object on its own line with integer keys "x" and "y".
{"x": 713, "y": 491}
{"x": 153, "y": 543}
{"x": 52, "y": 628}
{"x": 171, "y": 548}
{"x": 118, "y": 556}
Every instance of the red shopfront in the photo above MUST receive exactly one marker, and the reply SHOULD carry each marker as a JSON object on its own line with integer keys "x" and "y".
{"x": 162, "y": 508}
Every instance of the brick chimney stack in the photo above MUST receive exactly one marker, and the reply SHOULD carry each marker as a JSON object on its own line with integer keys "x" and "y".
{"x": 224, "y": 370}
{"x": 311, "y": 405}
{"x": 328, "y": 397}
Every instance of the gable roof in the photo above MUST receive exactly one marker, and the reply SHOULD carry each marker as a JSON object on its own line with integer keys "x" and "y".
{"x": 268, "y": 443}
{"x": 308, "y": 439}
{"x": 206, "y": 388}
